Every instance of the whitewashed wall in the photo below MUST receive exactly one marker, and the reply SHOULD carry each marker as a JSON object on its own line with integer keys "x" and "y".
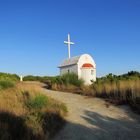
{"x": 71, "y": 69}
{"x": 85, "y": 73}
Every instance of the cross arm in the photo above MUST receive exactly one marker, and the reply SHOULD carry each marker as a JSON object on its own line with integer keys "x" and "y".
{"x": 66, "y": 42}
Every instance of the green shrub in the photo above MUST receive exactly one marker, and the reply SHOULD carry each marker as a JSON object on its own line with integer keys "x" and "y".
{"x": 66, "y": 79}
{"x": 6, "y": 84}
{"x": 36, "y": 78}
{"x": 71, "y": 78}
{"x": 38, "y": 102}
{"x": 32, "y": 78}
{"x": 7, "y": 76}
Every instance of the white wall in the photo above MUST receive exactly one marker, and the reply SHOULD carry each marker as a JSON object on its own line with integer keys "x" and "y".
{"x": 72, "y": 69}
{"x": 85, "y": 73}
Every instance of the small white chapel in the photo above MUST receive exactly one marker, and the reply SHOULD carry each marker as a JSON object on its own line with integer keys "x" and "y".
{"x": 84, "y": 65}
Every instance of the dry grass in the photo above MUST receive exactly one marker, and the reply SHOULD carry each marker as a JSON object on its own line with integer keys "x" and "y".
{"x": 67, "y": 88}
{"x": 119, "y": 88}
{"x": 121, "y": 92}
{"x": 38, "y": 115}
{"x": 10, "y": 101}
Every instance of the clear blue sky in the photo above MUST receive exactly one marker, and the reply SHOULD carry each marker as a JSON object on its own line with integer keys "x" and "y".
{"x": 32, "y": 34}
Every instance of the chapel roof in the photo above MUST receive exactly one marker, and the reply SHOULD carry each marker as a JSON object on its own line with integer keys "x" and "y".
{"x": 71, "y": 61}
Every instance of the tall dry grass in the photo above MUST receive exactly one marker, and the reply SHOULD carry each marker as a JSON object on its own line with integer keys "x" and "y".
{"x": 120, "y": 92}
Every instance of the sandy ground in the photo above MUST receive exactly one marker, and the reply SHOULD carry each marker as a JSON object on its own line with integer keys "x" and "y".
{"x": 92, "y": 119}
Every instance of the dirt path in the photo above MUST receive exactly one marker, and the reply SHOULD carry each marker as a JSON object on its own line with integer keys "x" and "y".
{"x": 92, "y": 119}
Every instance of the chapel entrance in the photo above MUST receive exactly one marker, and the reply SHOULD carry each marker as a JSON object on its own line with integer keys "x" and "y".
{"x": 87, "y": 73}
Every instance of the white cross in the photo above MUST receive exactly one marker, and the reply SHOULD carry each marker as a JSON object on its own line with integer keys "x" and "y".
{"x": 69, "y": 43}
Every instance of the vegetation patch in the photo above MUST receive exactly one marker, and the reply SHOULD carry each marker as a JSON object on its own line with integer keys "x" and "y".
{"x": 37, "y": 102}
{"x": 8, "y": 76}
{"x": 69, "y": 79}
{"x": 26, "y": 113}
{"x": 122, "y": 89}
{"x": 4, "y": 84}
{"x": 8, "y": 80}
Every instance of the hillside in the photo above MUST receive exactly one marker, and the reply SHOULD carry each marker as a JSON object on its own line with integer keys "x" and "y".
{"x": 26, "y": 113}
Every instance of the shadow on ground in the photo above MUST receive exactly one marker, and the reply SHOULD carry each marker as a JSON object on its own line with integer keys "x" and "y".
{"x": 101, "y": 128}
{"x": 110, "y": 128}
{"x": 14, "y": 127}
